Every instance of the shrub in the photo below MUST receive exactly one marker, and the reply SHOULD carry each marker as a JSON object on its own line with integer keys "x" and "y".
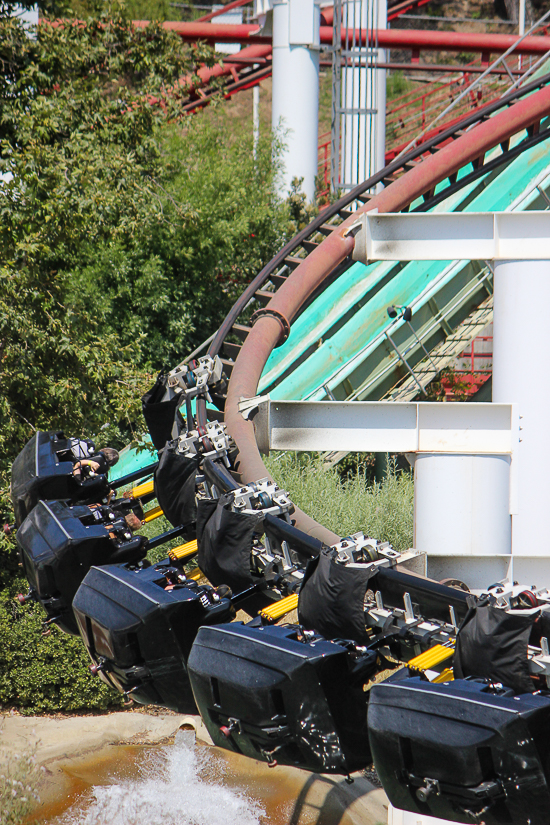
{"x": 384, "y": 511}
{"x": 44, "y": 674}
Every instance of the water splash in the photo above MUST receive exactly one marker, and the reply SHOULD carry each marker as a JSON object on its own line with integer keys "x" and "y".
{"x": 178, "y": 785}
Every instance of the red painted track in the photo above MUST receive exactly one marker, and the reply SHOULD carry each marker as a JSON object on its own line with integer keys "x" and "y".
{"x": 260, "y": 52}
{"x": 247, "y": 56}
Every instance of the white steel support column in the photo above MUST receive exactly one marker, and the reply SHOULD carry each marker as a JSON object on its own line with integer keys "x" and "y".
{"x": 380, "y": 80}
{"x": 521, "y": 336}
{"x": 363, "y": 92}
{"x": 461, "y": 516}
{"x": 358, "y": 95}
{"x": 295, "y": 102}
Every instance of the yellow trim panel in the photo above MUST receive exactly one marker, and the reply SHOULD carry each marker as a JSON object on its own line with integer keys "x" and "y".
{"x": 430, "y": 658}
{"x": 280, "y": 608}
{"x": 142, "y": 489}
{"x": 183, "y": 551}
{"x": 152, "y": 514}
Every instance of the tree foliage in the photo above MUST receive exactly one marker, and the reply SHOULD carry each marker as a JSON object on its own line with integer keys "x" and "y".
{"x": 126, "y": 232}
{"x": 220, "y": 223}
{"x": 82, "y": 105}
{"x": 41, "y": 674}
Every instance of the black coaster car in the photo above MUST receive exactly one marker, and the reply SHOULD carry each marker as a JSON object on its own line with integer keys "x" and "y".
{"x": 44, "y": 470}
{"x": 274, "y": 695}
{"x": 464, "y": 751}
{"x": 139, "y": 634}
{"x": 59, "y": 543}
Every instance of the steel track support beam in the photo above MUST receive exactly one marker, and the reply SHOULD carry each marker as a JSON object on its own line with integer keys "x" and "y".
{"x": 519, "y": 244}
{"x": 464, "y": 461}
{"x": 452, "y": 236}
{"x": 384, "y": 426}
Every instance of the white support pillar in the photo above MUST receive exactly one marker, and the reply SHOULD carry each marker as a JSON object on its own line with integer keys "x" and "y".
{"x": 363, "y": 93}
{"x": 461, "y": 516}
{"x": 521, "y": 336}
{"x": 358, "y": 95}
{"x": 295, "y": 101}
{"x": 380, "y": 160}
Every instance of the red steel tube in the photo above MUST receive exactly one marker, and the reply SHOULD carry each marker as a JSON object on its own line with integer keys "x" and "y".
{"x": 384, "y": 38}
{"x": 213, "y": 32}
{"x": 402, "y": 8}
{"x": 207, "y": 74}
{"x": 327, "y": 15}
{"x": 419, "y": 39}
{"x": 320, "y": 263}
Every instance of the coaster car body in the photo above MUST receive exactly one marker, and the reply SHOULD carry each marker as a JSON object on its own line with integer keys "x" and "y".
{"x": 464, "y": 751}
{"x": 58, "y": 544}
{"x": 44, "y": 470}
{"x": 138, "y": 633}
{"x": 274, "y": 694}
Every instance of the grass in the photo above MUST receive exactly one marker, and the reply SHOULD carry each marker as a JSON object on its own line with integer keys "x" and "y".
{"x": 20, "y": 775}
{"x": 383, "y": 511}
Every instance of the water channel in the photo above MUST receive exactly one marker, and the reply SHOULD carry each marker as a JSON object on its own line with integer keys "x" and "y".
{"x": 190, "y": 783}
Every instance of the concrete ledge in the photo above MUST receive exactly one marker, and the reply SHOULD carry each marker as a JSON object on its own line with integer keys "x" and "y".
{"x": 58, "y": 738}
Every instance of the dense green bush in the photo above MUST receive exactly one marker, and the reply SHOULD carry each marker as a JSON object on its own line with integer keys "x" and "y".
{"x": 384, "y": 511}
{"x": 44, "y": 674}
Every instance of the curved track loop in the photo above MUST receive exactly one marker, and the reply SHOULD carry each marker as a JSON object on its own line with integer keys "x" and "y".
{"x": 459, "y": 148}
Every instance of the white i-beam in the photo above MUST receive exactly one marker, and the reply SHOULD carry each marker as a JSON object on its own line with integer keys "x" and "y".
{"x": 519, "y": 245}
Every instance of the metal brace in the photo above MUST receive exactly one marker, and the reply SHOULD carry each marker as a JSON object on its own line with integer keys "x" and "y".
{"x": 197, "y": 380}
{"x": 212, "y": 442}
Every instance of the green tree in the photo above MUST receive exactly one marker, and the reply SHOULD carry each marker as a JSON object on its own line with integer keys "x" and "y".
{"x": 81, "y": 107}
{"x": 124, "y": 241}
{"x": 221, "y": 222}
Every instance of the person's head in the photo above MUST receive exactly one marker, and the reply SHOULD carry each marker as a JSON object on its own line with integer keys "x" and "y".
{"x": 111, "y": 455}
{"x": 133, "y": 522}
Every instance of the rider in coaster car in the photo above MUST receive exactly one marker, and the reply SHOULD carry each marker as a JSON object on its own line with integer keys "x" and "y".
{"x": 133, "y": 522}
{"x": 97, "y": 464}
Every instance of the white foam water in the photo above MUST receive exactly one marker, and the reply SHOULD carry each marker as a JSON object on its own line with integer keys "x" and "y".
{"x": 178, "y": 785}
